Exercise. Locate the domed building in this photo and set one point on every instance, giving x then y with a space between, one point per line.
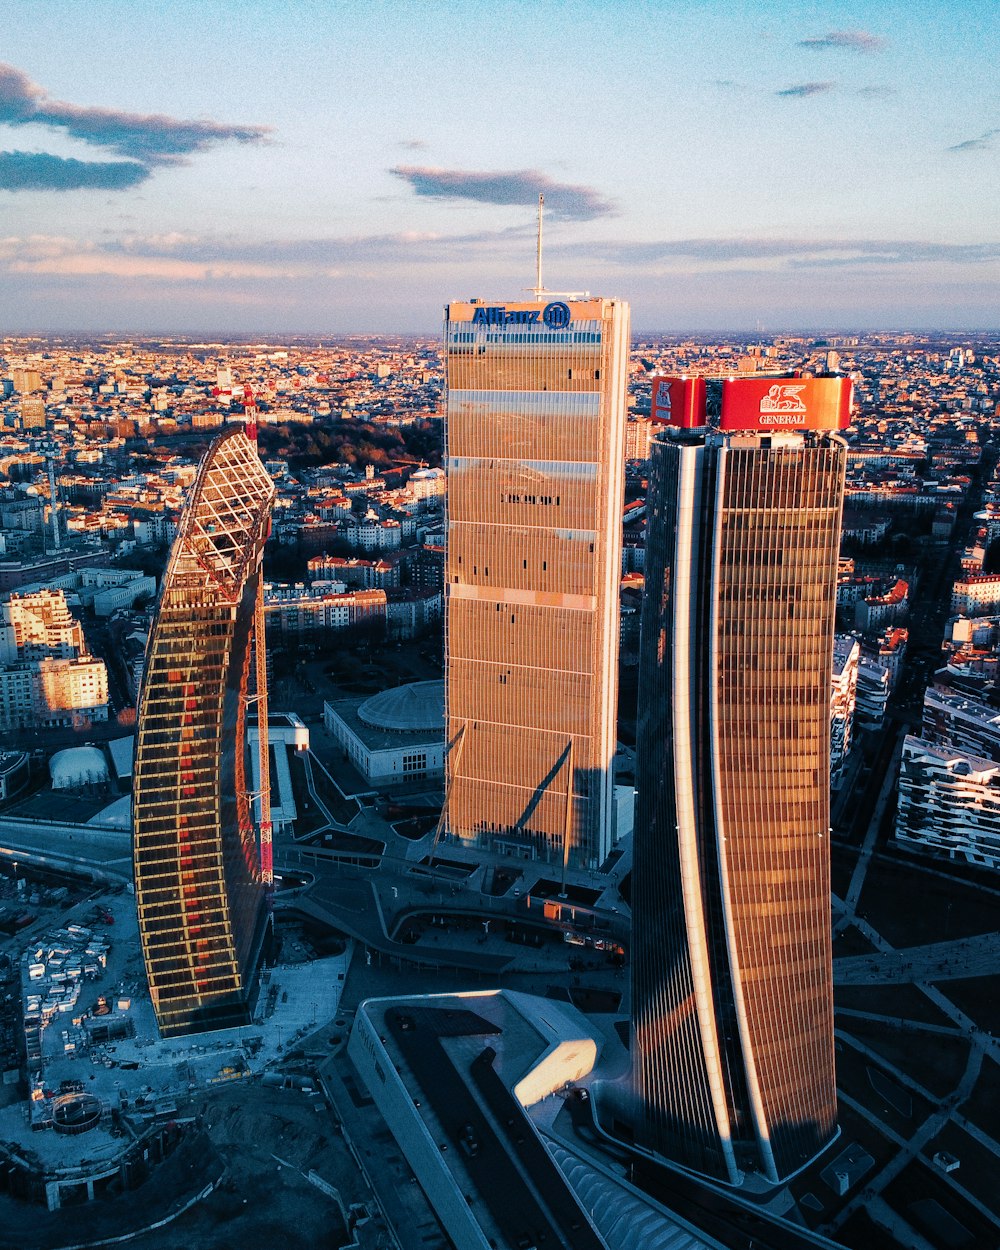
394 736
77 767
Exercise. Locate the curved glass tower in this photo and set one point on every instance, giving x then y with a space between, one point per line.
199 889
731 954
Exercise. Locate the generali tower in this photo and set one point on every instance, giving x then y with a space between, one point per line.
535 458
732 997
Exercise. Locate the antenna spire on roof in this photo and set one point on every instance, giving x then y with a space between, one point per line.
538 259
538 290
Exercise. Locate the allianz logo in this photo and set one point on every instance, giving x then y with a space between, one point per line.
555 316
501 316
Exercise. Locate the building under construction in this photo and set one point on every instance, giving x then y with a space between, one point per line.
202 875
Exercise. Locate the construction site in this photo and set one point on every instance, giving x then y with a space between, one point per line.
121 1128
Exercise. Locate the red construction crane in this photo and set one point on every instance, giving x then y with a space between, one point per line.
260 657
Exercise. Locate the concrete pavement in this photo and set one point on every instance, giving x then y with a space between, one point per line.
910 1147
936 961
857 882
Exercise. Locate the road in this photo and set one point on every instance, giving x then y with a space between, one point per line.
911 1147
980 1046
104 852
400 1202
869 814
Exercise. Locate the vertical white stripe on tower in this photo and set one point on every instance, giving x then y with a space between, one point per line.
613 391
684 696
746 1045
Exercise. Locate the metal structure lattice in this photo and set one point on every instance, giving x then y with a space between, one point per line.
200 879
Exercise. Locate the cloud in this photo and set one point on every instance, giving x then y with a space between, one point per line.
201 263
849 40
152 138
777 254
191 257
94 264
875 92
404 247
515 186
195 260
413 145
62 256
900 253
38 171
19 96
983 144
35 247
806 89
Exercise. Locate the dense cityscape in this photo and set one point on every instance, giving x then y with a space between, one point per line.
281 787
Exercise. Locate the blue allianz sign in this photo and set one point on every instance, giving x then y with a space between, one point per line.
555 316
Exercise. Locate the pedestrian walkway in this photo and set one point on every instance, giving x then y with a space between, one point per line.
899 1022
850 901
936 961
910 1148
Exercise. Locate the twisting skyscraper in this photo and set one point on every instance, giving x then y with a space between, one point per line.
198 877
732 982
535 452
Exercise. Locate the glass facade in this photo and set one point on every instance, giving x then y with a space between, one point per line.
202 907
732 980
535 452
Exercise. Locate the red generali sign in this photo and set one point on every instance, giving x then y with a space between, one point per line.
786 404
679 401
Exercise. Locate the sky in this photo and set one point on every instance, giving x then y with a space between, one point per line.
333 167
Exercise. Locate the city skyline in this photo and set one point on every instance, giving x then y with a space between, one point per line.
481 1096
327 169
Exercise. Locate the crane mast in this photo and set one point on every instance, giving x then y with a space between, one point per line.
260 659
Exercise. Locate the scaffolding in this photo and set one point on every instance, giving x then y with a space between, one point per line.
202 877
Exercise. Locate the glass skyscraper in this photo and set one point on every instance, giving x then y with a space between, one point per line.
535 458
201 901
732 965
